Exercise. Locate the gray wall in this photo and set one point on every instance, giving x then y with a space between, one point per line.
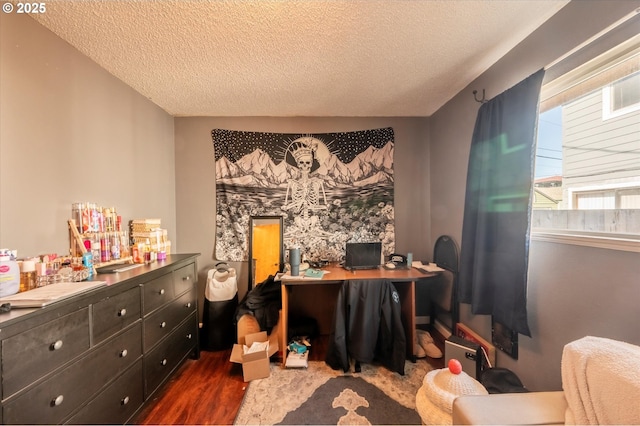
572 291
71 132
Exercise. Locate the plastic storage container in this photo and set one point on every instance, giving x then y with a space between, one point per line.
9 276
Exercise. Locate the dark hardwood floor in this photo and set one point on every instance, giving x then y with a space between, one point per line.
211 389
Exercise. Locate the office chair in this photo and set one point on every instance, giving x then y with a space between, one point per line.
444 293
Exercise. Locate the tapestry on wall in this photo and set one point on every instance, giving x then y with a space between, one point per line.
330 188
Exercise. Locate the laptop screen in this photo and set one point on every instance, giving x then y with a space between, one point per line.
363 255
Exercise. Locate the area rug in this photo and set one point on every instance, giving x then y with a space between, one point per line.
320 395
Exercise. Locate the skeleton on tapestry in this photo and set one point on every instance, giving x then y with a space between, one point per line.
305 195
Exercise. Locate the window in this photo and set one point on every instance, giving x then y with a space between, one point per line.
621 97
587 170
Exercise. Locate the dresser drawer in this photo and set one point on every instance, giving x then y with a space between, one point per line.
115 313
162 322
165 357
30 355
184 278
117 403
54 399
157 292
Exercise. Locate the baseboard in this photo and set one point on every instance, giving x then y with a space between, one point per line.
439 326
442 329
421 320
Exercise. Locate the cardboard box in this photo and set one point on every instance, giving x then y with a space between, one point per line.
255 365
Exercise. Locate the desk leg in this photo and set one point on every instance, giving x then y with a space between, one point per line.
411 337
284 323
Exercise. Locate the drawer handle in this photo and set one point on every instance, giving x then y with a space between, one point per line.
125 400
187 278
122 312
188 305
163 324
57 345
57 401
189 336
163 362
123 353
162 292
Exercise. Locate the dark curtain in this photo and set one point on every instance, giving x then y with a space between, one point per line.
495 233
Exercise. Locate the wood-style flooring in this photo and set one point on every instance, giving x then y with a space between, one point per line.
211 389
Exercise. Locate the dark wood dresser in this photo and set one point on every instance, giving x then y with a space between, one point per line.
96 357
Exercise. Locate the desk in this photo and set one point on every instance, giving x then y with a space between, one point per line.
403 279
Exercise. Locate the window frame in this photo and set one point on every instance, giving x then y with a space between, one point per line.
608 112
561 76
596 240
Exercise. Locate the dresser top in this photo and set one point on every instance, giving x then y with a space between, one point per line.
113 282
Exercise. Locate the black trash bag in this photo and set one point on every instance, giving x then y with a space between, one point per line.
264 302
218 330
501 380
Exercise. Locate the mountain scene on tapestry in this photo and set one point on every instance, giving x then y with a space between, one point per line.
330 189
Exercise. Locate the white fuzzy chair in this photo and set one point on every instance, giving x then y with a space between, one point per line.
600 381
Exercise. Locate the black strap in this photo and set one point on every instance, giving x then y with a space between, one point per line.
222 266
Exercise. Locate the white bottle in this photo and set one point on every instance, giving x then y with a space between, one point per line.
9 276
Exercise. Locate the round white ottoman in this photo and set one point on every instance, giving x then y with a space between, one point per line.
434 399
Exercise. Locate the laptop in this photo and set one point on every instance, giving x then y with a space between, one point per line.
363 255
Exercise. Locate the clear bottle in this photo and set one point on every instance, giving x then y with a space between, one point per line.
87 262
95 248
95 218
135 253
76 214
124 244
98 210
115 246
162 254
114 219
108 225
105 247
86 218
27 275
147 251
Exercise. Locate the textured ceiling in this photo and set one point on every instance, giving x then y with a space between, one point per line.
296 58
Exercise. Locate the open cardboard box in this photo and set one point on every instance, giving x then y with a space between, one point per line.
255 365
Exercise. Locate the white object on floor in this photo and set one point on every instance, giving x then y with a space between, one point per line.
434 400
426 342
296 360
